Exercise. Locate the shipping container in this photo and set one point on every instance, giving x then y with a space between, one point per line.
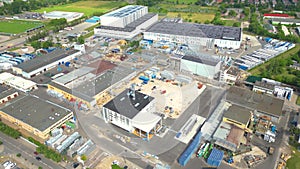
190 150
215 158
144 78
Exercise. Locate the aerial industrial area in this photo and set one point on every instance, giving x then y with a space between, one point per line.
131 88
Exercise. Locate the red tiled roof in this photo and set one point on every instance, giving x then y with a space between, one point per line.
276 15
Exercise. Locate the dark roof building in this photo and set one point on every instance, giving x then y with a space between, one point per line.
238 114
202 60
265 104
197 30
128 105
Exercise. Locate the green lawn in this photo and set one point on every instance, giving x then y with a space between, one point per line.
183 1
298 100
294 162
86 7
115 167
256 70
17 26
200 17
229 22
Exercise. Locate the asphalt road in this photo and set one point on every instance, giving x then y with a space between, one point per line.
12 43
14 146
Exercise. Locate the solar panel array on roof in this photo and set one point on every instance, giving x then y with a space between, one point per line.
125 11
197 30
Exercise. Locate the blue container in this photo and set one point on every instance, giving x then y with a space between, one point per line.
273 128
153 76
67 64
190 150
144 78
178 134
215 158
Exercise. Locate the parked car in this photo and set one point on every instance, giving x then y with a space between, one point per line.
38 158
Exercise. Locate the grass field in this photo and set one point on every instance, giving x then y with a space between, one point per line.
86 7
183 1
17 26
298 100
200 17
294 162
256 70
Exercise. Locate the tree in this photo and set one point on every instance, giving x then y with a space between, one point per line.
80 40
19 155
47 44
83 157
40 167
236 24
232 13
1 142
207 22
36 44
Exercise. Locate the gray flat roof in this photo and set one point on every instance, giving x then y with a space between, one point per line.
197 30
124 11
251 100
200 59
132 26
41 61
286 20
264 85
126 106
4 91
238 113
100 83
73 75
35 111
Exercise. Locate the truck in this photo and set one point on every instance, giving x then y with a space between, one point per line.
271 150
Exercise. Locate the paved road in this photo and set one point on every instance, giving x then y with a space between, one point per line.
14 146
12 43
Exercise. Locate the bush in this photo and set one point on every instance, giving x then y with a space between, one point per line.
9 131
43 149
19 155
1 142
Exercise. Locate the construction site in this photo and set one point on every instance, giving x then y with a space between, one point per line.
174 93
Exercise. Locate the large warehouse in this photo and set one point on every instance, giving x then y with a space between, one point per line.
201 66
45 62
126 22
260 104
133 111
86 85
40 118
195 34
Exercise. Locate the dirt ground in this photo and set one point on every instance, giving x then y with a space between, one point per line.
107 162
4 38
177 97
20 51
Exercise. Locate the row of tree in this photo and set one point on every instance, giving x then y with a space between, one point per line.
9 131
48 153
257 28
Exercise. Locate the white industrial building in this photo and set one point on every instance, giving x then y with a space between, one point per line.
123 16
45 62
126 22
276 21
195 34
201 66
134 112
17 82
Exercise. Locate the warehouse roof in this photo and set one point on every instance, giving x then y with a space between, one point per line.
46 59
286 20
101 66
251 100
36 112
125 105
238 114
73 75
124 11
4 91
264 85
276 15
197 30
130 27
100 83
200 59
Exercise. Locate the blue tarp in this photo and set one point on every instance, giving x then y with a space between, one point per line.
267 39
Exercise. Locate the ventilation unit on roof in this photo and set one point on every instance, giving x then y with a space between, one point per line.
137 104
